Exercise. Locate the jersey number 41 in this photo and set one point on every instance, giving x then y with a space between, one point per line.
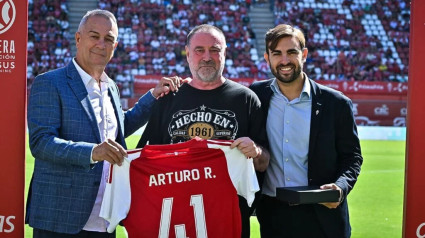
196 201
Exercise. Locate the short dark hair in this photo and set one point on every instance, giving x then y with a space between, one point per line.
280 31
203 28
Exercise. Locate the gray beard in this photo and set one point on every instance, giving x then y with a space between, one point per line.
209 75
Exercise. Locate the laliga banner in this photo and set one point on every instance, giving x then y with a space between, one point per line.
414 193
13 79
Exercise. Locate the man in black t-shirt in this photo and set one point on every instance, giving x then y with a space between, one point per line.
211 107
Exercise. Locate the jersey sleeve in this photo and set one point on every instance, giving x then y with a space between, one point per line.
241 171
117 198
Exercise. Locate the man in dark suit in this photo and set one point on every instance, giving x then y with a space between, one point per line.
313 141
76 129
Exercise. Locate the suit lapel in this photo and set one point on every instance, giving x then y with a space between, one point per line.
267 95
76 84
316 114
114 94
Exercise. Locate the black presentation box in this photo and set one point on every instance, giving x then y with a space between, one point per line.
306 195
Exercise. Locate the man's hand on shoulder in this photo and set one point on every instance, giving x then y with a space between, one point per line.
167 85
110 151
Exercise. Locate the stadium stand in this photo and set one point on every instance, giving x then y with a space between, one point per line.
355 40
357 46
363 40
48 36
152 35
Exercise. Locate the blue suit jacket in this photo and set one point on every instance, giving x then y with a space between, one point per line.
334 154
62 133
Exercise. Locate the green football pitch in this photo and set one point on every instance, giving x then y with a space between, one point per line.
375 203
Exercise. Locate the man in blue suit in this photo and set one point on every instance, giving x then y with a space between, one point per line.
313 141
76 129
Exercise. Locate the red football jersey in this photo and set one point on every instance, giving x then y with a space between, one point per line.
184 190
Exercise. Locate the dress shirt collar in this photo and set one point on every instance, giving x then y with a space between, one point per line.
305 93
86 77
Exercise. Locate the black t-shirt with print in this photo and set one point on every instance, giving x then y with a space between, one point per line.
227 112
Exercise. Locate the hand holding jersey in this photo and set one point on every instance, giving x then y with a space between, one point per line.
170 179
110 151
251 150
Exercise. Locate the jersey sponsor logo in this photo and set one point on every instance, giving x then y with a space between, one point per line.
7 15
203 122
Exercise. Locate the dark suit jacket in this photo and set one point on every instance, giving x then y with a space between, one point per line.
334 149
62 132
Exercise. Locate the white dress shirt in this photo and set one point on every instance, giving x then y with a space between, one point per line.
108 129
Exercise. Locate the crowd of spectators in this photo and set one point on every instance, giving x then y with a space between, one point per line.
341 46
395 17
48 36
152 34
